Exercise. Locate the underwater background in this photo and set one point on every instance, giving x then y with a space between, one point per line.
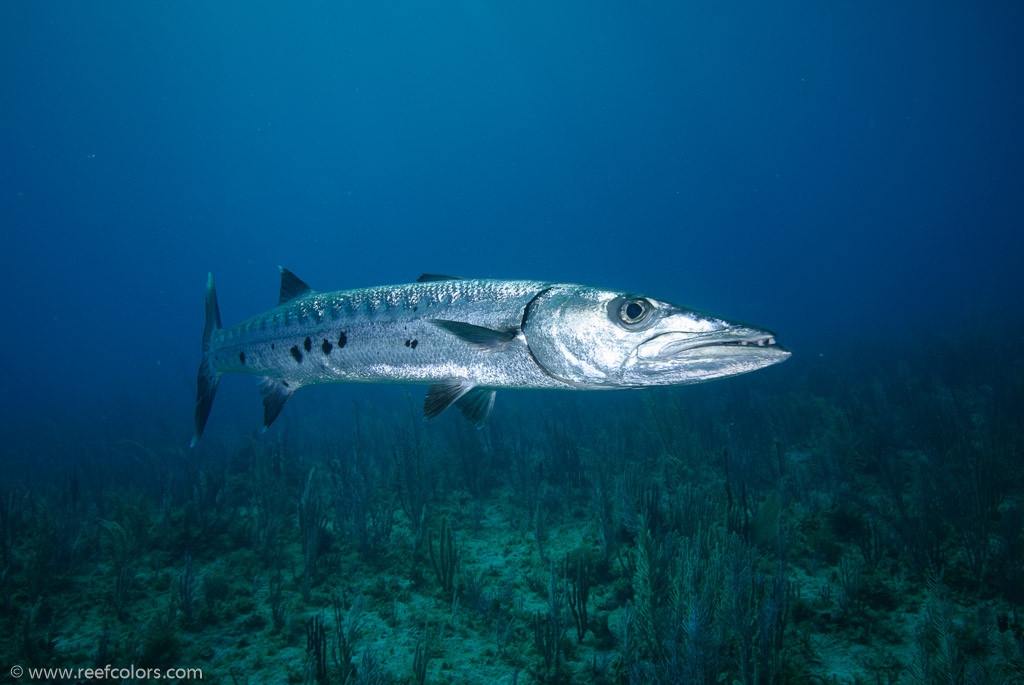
846 174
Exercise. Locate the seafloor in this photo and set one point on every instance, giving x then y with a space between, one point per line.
846 520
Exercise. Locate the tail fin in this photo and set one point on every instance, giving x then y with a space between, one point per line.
206 382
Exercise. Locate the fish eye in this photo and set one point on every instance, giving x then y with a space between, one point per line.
634 311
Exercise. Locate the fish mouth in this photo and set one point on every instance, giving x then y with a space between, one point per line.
677 346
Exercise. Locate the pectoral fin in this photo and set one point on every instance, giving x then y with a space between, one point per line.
479 336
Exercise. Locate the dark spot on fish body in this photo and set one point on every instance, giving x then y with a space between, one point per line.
271 345
295 353
415 307
406 343
342 339
241 358
414 343
327 346
308 344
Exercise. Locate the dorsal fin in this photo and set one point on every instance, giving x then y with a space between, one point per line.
291 286
430 278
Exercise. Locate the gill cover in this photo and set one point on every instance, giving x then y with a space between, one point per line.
573 339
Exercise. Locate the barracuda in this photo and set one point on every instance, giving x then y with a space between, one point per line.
467 338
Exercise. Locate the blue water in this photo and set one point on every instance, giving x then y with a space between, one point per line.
846 174
835 172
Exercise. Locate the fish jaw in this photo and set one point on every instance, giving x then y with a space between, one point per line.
681 357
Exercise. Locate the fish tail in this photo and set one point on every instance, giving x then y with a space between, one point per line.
207 379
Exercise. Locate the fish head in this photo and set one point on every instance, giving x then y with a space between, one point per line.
588 337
